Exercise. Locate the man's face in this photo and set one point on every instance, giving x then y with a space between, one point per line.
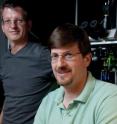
14 25
69 66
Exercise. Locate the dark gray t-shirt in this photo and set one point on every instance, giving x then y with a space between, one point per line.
26 80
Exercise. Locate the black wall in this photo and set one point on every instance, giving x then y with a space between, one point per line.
49 14
91 14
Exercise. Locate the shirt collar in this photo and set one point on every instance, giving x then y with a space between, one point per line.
83 97
90 84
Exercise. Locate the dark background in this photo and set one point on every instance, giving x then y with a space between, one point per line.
47 14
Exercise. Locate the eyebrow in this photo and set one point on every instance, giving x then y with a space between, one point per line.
69 51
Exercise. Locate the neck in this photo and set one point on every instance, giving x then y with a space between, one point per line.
16 46
72 92
70 95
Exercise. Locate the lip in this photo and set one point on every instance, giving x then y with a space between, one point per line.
62 73
13 32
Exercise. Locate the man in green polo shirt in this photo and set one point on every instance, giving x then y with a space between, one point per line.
81 99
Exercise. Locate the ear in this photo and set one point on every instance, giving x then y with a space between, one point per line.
87 59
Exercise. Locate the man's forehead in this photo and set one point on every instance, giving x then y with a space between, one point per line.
13 9
66 48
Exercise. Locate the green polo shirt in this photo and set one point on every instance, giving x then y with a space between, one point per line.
97 104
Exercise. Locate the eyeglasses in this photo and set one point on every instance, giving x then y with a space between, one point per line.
66 56
8 22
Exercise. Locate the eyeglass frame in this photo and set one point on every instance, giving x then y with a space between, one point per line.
67 56
8 22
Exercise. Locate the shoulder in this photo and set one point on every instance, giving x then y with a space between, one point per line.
51 99
37 45
105 87
38 49
104 94
106 102
53 95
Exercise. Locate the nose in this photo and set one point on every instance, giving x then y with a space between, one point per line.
13 24
61 62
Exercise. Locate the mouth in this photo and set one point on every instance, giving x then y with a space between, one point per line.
62 73
14 32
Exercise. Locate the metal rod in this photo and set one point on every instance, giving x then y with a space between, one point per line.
76 12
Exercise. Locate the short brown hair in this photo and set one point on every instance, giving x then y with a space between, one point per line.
68 33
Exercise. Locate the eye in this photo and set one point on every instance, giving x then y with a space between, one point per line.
68 55
6 21
16 21
19 21
54 56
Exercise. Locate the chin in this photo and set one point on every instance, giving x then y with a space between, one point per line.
63 83
15 37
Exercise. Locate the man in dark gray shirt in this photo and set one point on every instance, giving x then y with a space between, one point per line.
25 68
